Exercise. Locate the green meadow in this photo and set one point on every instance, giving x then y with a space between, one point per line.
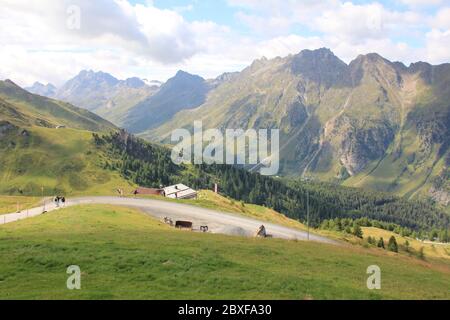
124 254
60 161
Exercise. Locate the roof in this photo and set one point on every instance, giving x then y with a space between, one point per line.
148 191
179 191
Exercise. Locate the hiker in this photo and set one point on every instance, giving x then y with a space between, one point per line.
261 233
63 200
57 201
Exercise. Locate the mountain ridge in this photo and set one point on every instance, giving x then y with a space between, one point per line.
359 124
184 91
367 123
19 105
104 94
47 90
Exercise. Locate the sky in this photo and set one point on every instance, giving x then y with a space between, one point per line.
53 40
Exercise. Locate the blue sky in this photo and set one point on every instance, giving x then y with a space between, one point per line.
154 38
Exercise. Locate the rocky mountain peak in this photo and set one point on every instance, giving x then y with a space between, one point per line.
41 89
225 77
183 79
186 76
134 83
370 59
10 83
320 66
89 76
376 67
424 69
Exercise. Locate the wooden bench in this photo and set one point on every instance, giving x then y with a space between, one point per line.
183 225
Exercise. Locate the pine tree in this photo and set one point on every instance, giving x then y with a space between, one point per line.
422 253
392 245
381 243
407 245
357 231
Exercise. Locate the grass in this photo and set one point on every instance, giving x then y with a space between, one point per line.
431 250
124 254
9 204
34 155
34 108
61 161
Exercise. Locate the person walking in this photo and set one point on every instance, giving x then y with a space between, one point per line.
63 201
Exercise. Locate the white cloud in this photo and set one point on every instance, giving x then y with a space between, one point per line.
438 46
357 23
283 46
161 35
442 19
272 25
422 2
275 17
181 9
143 40
38 30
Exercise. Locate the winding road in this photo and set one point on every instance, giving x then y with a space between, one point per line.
217 222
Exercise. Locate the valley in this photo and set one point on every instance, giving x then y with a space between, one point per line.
371 124
225 159
49 148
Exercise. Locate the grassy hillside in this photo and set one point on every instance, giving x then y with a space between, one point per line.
70 161
62 161
209 199
150 165
10 204
23 108
430 250
34 154
126 255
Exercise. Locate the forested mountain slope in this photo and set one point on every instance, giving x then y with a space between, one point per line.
372 123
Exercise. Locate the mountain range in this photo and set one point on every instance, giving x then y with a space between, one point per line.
52 147
371 123
101 93
46 90
19 107
49 147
